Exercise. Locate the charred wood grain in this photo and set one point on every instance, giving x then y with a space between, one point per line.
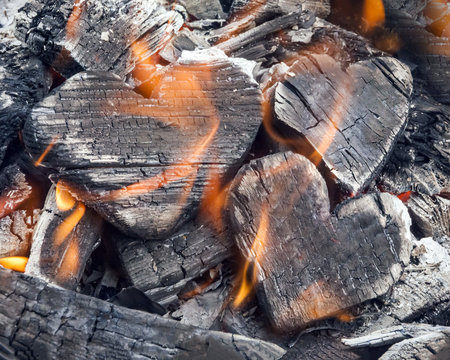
42 321
61 261
335 260
348 119
171 146
209 9
162 268
72 36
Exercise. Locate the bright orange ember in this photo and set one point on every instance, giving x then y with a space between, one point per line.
16 263
373 14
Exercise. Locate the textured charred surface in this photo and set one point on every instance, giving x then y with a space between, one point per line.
62 261
95 35
39 320
313 264
199 124
9 11
431 53
162 268
209 9
23 81
420 160
350 119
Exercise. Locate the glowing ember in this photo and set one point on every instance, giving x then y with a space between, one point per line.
46 151
405 196
248 280
16 263
72 28
373 14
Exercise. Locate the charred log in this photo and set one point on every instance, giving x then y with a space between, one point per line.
335 115
72 36
279 211
40 320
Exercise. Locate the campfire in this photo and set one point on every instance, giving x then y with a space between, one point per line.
243 179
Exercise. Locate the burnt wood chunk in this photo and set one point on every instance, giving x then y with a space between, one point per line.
430 52
420 160
162 268
430 215
50 322
23 81
204 9
61 246
143 164
311 264
348 119
72 36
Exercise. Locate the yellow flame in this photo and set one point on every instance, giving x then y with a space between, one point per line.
69 264
68 224
46 151
64 200
16 263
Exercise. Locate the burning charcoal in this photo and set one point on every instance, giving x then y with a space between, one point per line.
162 268
133 298
430 215
410 341
346 120
420 160
72 35
422 291
65 236
144 164
308 263
23 81
209 9
431 53
51 322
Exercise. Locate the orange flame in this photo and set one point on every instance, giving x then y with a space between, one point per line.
373 14
16 263
437 11
46 151
69 264
248 281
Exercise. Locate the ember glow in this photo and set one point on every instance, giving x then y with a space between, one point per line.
373 15
250 271
16 263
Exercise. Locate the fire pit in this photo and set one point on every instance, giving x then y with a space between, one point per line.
225 179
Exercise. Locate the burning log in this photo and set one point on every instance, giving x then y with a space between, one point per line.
348 120
420 161
47 321
144 164
23 81
76 35
279 211
162 268
64 238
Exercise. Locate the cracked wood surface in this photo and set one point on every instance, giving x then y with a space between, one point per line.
43 321
162 268
201 119
312 264
350 119
72 36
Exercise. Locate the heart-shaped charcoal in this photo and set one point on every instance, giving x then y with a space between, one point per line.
144 163
349 118
310 264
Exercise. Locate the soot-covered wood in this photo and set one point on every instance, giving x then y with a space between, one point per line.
61 260
162 268
42 321
310 263
199 123
350 119
96 35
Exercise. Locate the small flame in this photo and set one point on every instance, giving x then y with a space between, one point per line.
248 281
16 263
373 15
68 224
46 151
69 264
64 200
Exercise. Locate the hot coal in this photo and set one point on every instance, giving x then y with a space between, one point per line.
348 119
311 264
72 36
170 146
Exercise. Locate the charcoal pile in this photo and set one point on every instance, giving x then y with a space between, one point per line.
224 179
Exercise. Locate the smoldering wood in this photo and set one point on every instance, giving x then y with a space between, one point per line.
15 189
23 81
363 245
110 137
420 160
430 215
72 36
44 320
62 262
210 9
162 268
431 53
16 230
183 40
422 290
334 114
